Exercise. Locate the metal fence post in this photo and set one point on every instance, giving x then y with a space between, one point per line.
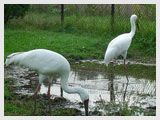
62 14
112 17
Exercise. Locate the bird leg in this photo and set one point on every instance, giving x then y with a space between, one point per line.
49 85
124 95
114 64
35 97
61 92
124 64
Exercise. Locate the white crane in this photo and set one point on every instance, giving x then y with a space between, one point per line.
119 45
47 62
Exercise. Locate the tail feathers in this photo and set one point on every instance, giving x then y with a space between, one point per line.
109 55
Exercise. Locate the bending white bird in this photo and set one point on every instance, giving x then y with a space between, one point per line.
47 62
119 45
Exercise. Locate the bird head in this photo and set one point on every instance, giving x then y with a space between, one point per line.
134 18
9 57
85 99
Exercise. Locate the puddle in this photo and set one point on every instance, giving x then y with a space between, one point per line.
120 61
100 86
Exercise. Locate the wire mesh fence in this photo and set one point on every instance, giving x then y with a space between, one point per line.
99 19
109 16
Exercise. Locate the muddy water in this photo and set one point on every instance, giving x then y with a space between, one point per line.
101 86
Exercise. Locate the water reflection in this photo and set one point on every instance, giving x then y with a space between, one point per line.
111 77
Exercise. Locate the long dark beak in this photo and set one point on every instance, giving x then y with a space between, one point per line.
86 106
137 24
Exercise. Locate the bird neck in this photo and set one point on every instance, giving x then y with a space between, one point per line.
133 28
72 90
64 84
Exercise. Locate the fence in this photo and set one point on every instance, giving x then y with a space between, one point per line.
113 13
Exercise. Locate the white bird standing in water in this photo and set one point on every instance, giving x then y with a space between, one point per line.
47 62
119 45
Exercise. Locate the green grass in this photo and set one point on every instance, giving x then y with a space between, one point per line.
81 37
100 25
12 104
125 110
70 45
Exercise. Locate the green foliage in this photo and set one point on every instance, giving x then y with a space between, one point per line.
86 28
14 11
7 94
123 110
72 46
65 112
12 106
